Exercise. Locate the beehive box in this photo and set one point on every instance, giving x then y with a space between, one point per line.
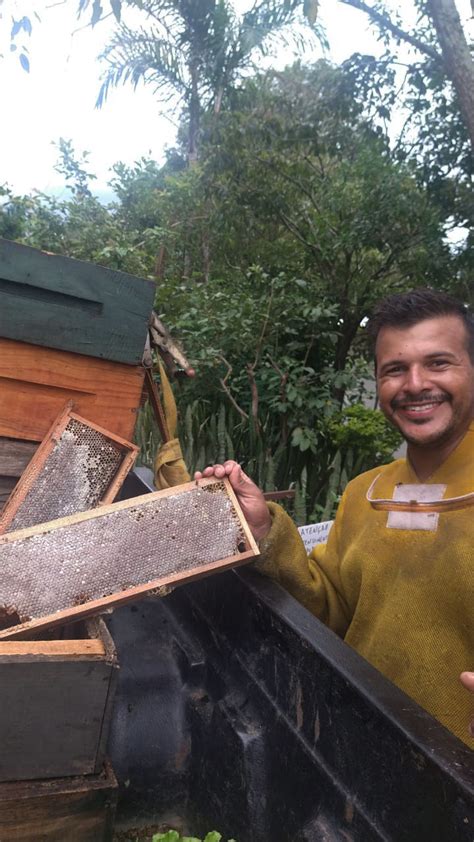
79 809
36 383
56 700
72 305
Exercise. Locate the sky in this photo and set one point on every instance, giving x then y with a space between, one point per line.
57 97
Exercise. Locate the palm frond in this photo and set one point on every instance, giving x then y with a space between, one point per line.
140 56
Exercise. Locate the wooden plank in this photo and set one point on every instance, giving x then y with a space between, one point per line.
36 383
63 303
19 651
76 809
55 701
77 572
7 484
15 455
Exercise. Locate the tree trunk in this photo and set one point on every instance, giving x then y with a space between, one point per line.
456 56
349 331
194 115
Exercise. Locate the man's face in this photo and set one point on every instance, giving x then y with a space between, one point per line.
425 380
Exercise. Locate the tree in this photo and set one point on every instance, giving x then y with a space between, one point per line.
302 170
309 216
193 53
439 37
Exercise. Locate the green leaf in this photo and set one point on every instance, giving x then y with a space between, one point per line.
96 12
116 8
310 8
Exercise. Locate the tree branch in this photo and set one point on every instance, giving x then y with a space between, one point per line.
223 382
385 22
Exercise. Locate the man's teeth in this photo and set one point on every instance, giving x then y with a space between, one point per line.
420 407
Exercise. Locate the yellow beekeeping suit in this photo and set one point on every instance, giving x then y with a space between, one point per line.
402 597
170 469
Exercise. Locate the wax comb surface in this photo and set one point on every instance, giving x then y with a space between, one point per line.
78 466
75 566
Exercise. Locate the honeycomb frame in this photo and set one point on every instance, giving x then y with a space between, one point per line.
91 550
35 498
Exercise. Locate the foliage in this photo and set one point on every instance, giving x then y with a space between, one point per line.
269 254
193 54
367 431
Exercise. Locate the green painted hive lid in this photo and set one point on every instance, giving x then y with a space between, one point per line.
60 302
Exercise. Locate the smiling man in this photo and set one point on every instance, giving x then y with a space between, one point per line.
396 578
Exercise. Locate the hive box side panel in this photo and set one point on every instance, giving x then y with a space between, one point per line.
14 457
72 305
62 810
55 702
51 718
36 383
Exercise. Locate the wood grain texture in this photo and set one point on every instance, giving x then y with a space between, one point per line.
55 703
22 651
63 303
73 809
15 455
36 383
7 484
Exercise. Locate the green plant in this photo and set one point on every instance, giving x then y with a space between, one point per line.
174 836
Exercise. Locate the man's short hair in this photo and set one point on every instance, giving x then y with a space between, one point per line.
408 308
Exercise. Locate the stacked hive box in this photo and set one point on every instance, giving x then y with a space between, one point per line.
69 331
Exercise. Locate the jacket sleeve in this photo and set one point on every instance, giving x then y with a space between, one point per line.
313 580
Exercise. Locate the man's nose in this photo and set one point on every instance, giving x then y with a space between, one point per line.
416 379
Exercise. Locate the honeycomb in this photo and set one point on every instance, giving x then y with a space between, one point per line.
66 565
74 477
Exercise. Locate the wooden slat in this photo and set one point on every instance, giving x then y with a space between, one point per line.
71 305
15 455
64 650
36 383
77 809
7 484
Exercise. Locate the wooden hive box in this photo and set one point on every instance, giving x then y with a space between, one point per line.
60 810
71 305
56 699
36 383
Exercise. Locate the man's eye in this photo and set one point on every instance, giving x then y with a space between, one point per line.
439 363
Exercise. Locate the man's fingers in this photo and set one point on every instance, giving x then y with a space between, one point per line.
248 494
218 471
467 679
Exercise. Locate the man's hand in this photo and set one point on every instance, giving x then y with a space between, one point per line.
467 680
251 499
